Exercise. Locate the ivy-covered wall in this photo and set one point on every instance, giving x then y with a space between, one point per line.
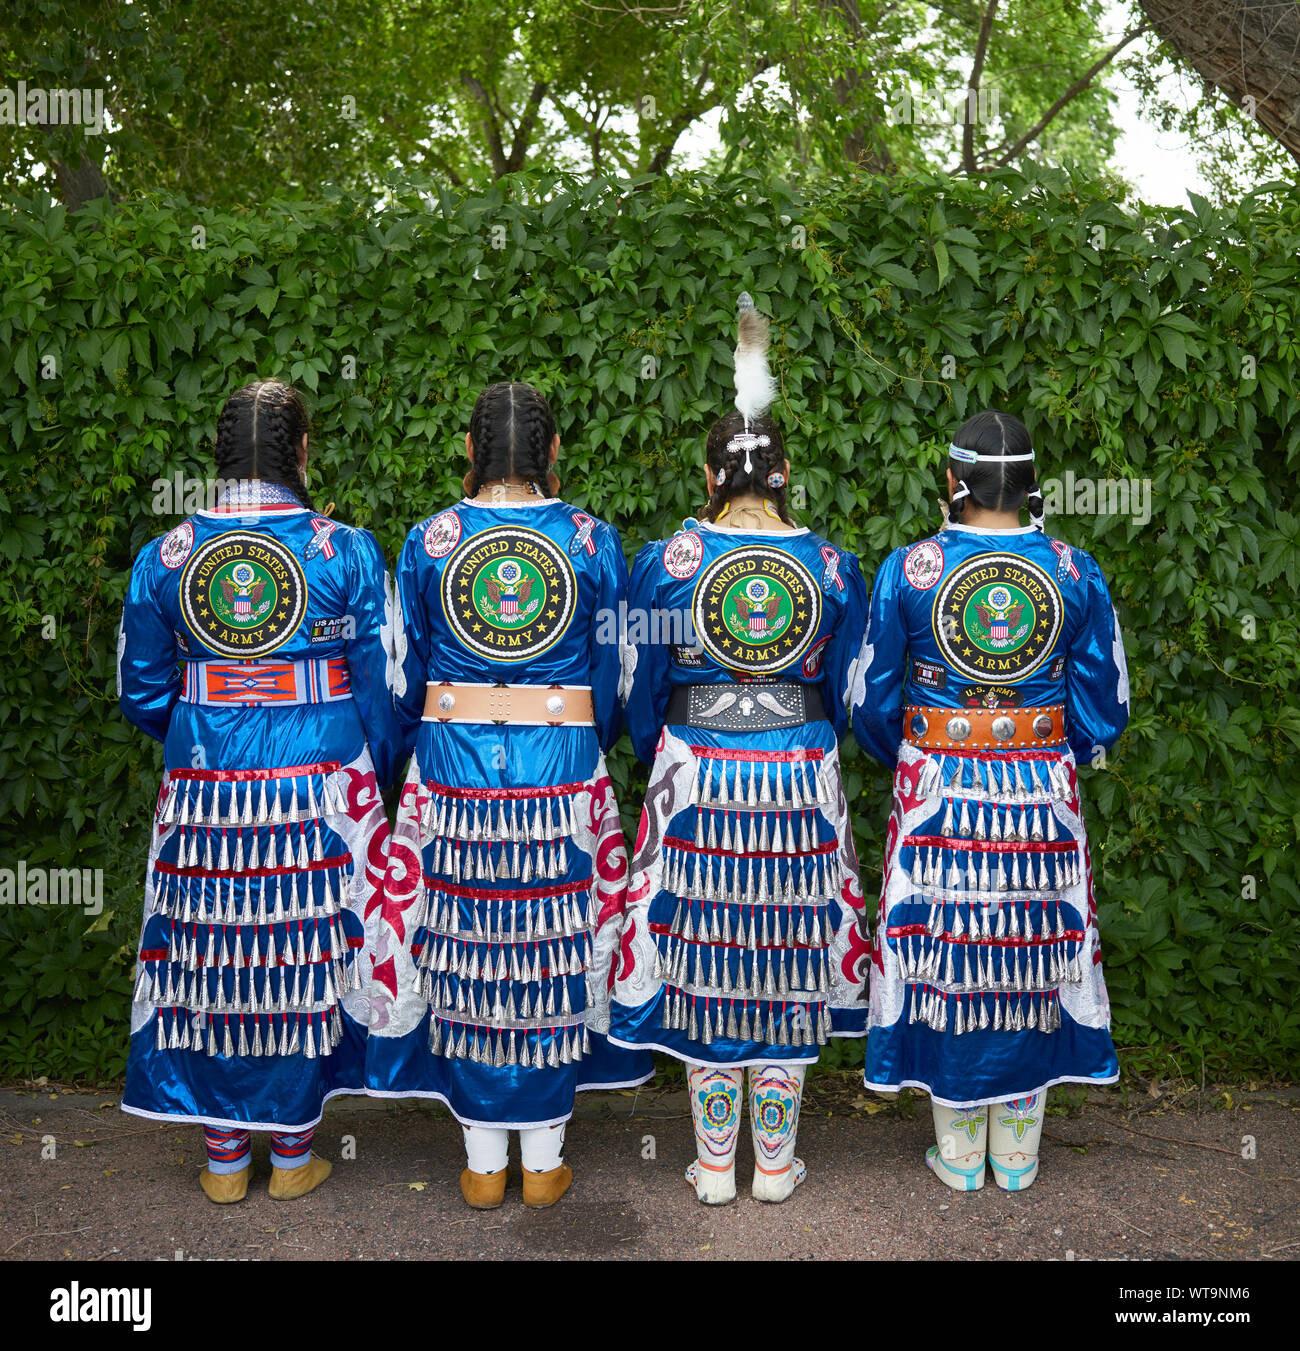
1158 352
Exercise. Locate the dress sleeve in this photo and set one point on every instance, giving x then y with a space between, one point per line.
1096 680
605 637
645 662
370 651
880 673
842 650
412 662
148 674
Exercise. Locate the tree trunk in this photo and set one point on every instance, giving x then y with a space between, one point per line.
1246 48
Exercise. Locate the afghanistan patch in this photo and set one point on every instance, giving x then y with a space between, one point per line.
442 534
923 564
997 617
509 593
690 657
243 595
990 696
683 555
756 609
176 545
929 675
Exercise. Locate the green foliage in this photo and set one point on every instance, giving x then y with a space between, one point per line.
1157 347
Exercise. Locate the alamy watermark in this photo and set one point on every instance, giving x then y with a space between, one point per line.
1071 496
83 887
32 105
919 106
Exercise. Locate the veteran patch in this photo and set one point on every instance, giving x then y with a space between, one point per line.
929 675
997 617
442 534
243 594
923 564
756 609
177 545
509 593
683 554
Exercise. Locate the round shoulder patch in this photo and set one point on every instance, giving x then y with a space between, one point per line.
509 593
683 555
176 545
243 594
997 617
756 609
442 534
923 564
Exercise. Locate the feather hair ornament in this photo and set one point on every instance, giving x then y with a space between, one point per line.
755 387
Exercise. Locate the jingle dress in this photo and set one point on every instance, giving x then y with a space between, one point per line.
744 940
986 979
508 871
255 644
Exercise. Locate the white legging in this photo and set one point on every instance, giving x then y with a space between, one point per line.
487 1150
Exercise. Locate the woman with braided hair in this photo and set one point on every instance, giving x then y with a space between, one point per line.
507 875
745 944
257 644
992 659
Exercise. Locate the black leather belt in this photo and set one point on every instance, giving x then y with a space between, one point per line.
745 707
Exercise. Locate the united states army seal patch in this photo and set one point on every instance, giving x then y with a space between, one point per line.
756 610
509 593
243 594
997 617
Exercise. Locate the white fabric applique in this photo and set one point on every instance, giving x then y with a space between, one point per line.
1121 665
392 634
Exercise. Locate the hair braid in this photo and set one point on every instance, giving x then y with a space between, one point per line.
511 429
259 430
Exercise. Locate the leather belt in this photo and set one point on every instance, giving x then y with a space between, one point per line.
745 707
518 705
320 680
982 729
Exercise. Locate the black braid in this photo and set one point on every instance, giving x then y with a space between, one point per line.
995 485
258 434
763 461
512 428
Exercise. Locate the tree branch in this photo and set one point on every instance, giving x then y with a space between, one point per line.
972 87
1006 153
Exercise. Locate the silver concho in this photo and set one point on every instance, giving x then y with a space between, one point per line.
555 705
1003 729
446 702
958 729
1043 726
919 725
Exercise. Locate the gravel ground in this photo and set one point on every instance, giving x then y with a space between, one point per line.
1160 1182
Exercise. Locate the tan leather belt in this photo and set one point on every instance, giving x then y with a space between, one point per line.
518 705
982 729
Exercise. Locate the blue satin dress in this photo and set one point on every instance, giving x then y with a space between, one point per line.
986 979
745 936
507 874
256 646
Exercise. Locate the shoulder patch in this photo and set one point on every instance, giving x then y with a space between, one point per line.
582 535
442 534
175 546
923 564
1065 566
683 554
812 663
320 542
831 570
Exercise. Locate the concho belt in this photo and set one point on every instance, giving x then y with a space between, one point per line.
983 729
745 707
515 705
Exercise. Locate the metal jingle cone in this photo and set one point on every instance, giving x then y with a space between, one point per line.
946 829
764 791
751 796
995 825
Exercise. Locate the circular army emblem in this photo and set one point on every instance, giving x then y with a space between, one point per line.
756 610
509 593
442 534
923 564
243 595
997 617
176 545
683 555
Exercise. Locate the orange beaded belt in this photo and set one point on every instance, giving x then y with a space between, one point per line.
517 705
982 729
318 681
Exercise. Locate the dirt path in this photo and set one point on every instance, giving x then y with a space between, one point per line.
1114 1184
